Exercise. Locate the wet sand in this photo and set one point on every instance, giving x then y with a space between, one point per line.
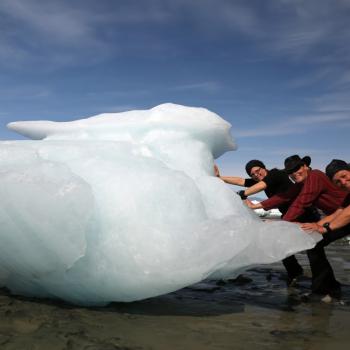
256 311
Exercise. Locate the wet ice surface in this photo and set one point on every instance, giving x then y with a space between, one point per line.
253 312
125 206
263 286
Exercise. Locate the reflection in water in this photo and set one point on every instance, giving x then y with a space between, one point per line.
255 311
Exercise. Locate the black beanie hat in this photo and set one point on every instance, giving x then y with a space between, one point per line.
336 165
252 163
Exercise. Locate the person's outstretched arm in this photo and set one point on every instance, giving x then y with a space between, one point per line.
281 198
239 181
318 226
232 180
337 220
258 187
341 220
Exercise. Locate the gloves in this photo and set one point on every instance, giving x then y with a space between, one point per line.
242 195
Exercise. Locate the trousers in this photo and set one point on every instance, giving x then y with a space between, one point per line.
323 279
290 263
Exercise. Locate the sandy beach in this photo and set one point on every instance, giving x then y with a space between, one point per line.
256 311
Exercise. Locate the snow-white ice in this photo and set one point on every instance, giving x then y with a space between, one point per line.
267 214
125 206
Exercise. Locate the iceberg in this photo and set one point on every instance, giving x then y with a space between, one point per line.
125 206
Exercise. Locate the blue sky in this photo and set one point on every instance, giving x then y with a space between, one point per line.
278 71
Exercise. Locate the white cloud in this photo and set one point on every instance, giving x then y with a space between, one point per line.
318 119
337 101
117 93
315 29
295 125
25 92
306 28
50 19
49 33
64 29
268 130
207 86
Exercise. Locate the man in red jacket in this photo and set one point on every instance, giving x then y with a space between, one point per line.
336 225
311 188
271 181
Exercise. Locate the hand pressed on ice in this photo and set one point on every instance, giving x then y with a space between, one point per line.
216 170
251 205
312 226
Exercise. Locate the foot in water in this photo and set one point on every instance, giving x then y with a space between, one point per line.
321 298
292 281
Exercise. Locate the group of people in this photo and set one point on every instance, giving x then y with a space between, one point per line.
315 200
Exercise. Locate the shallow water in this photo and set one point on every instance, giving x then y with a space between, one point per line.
255 311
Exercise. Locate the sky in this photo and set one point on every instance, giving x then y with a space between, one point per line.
277 70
